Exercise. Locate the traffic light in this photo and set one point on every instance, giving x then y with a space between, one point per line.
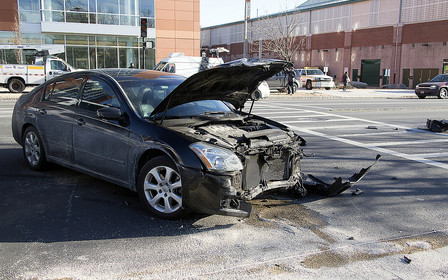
144 27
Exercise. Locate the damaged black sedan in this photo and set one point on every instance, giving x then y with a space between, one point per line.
183 145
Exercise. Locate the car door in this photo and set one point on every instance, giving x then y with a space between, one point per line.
100 146
275 81
57 68
55 116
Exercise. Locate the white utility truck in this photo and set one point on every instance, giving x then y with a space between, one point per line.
186 66
17 76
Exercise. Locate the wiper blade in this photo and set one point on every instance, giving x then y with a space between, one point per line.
219 113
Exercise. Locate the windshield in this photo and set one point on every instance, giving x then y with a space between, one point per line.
146 94
315 72
160 66
197 108
440 78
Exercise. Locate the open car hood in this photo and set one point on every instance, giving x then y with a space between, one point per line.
232 82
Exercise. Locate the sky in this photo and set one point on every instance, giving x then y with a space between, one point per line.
216 12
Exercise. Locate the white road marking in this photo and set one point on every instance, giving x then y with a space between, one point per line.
376 133
374 148
407 143
318 121
432 155
371 146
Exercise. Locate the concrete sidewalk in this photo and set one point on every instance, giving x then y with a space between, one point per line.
349 93
301 93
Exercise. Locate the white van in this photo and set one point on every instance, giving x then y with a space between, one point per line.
186 65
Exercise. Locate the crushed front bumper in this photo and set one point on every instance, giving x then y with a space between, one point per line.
222 194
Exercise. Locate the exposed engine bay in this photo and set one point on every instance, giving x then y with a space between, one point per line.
269 152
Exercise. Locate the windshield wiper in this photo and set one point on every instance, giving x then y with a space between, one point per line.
218 113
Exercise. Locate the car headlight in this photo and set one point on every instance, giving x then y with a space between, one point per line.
216 158
433 87
417 87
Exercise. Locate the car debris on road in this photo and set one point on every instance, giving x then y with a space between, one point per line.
437 126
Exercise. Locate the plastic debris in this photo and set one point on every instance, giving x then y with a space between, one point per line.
357 192
406 259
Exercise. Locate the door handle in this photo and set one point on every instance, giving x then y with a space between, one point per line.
80 122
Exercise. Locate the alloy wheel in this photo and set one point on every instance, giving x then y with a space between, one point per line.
163 189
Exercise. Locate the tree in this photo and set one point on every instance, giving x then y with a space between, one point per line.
283 34
17 39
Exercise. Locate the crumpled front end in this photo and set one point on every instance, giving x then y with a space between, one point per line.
271 160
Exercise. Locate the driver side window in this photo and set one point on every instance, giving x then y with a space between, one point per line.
58 65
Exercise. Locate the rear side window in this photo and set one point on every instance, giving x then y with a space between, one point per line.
98 94
64 91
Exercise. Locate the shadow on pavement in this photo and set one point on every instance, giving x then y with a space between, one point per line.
63 205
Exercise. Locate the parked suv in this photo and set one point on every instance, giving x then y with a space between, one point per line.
280 81
438 86
313 77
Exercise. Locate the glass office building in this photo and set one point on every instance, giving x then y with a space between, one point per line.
95 33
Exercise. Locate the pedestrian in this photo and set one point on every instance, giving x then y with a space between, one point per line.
291 75
345 80
132 65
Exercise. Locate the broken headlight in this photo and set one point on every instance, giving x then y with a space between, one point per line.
216 158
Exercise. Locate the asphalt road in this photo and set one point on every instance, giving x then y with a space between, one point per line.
61 224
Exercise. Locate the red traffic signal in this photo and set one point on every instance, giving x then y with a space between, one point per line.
144 27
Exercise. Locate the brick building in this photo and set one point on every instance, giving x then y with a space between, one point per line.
105 33
367 38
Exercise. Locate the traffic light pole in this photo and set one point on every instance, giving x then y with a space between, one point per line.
144 51
143 34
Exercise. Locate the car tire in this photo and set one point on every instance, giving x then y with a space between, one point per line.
327 88
16 85
309 85
33 149
443 93
421 96
296 87
256 95
159 187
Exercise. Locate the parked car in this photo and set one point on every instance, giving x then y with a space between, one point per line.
182 144
263 91
438 86
312 77
279 81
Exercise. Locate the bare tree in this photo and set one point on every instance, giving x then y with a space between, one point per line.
282 34
17 39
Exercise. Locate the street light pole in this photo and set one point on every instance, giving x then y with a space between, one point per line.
246 17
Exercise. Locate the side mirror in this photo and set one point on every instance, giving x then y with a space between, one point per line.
109 113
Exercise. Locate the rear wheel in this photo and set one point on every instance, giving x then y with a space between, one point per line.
160 188
33 149
308 85
16 85
443 93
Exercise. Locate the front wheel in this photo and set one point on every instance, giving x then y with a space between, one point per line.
33 149
443 93
309 85
159 187
16 85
